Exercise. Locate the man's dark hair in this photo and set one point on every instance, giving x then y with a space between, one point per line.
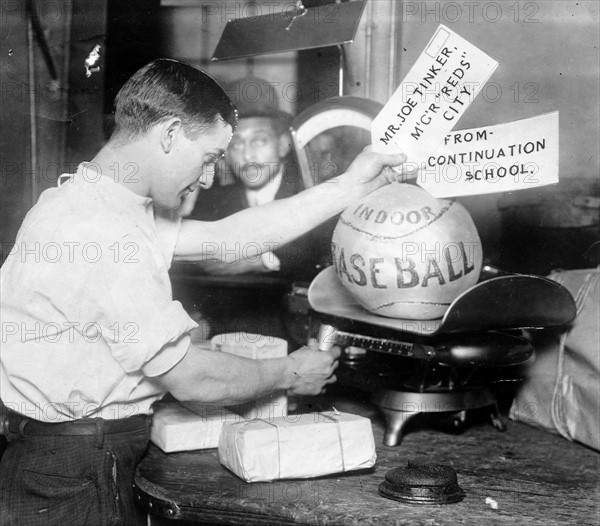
167 88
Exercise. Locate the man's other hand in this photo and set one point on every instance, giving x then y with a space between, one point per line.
312 370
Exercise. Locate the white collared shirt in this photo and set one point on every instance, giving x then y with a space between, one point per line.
86 306
267 193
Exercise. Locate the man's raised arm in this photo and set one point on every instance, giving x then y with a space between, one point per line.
256 230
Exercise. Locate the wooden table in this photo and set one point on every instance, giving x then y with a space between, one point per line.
535 478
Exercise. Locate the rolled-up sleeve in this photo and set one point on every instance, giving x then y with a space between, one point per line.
167 357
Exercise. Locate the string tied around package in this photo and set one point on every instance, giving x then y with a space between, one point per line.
324 415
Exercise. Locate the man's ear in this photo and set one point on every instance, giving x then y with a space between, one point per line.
169 131
285 145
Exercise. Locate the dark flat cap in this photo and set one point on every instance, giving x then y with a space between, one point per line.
256 97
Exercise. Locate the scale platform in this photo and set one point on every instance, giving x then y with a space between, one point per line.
434 366
497 302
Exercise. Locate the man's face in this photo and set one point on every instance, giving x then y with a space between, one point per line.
191 165
256 151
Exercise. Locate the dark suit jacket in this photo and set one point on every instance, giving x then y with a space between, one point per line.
301 259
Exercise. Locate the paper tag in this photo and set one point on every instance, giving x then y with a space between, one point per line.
502 158
438 89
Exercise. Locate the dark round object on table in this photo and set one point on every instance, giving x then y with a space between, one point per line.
422 484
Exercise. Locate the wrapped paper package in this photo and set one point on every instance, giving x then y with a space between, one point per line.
297 446
255 347
195 426
561 388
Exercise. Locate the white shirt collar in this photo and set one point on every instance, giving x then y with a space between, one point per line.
267 193
88 173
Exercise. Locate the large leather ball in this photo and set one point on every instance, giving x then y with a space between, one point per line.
405 254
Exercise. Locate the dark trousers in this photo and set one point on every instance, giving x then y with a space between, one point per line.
71 480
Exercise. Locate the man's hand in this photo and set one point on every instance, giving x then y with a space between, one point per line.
219 377
312 370
370 170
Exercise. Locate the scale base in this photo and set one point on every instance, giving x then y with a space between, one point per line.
399 407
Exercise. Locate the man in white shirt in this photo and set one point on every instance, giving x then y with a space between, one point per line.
90 334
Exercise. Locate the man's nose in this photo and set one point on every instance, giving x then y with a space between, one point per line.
247 151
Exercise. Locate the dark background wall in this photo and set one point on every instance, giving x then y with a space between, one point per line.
548 60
